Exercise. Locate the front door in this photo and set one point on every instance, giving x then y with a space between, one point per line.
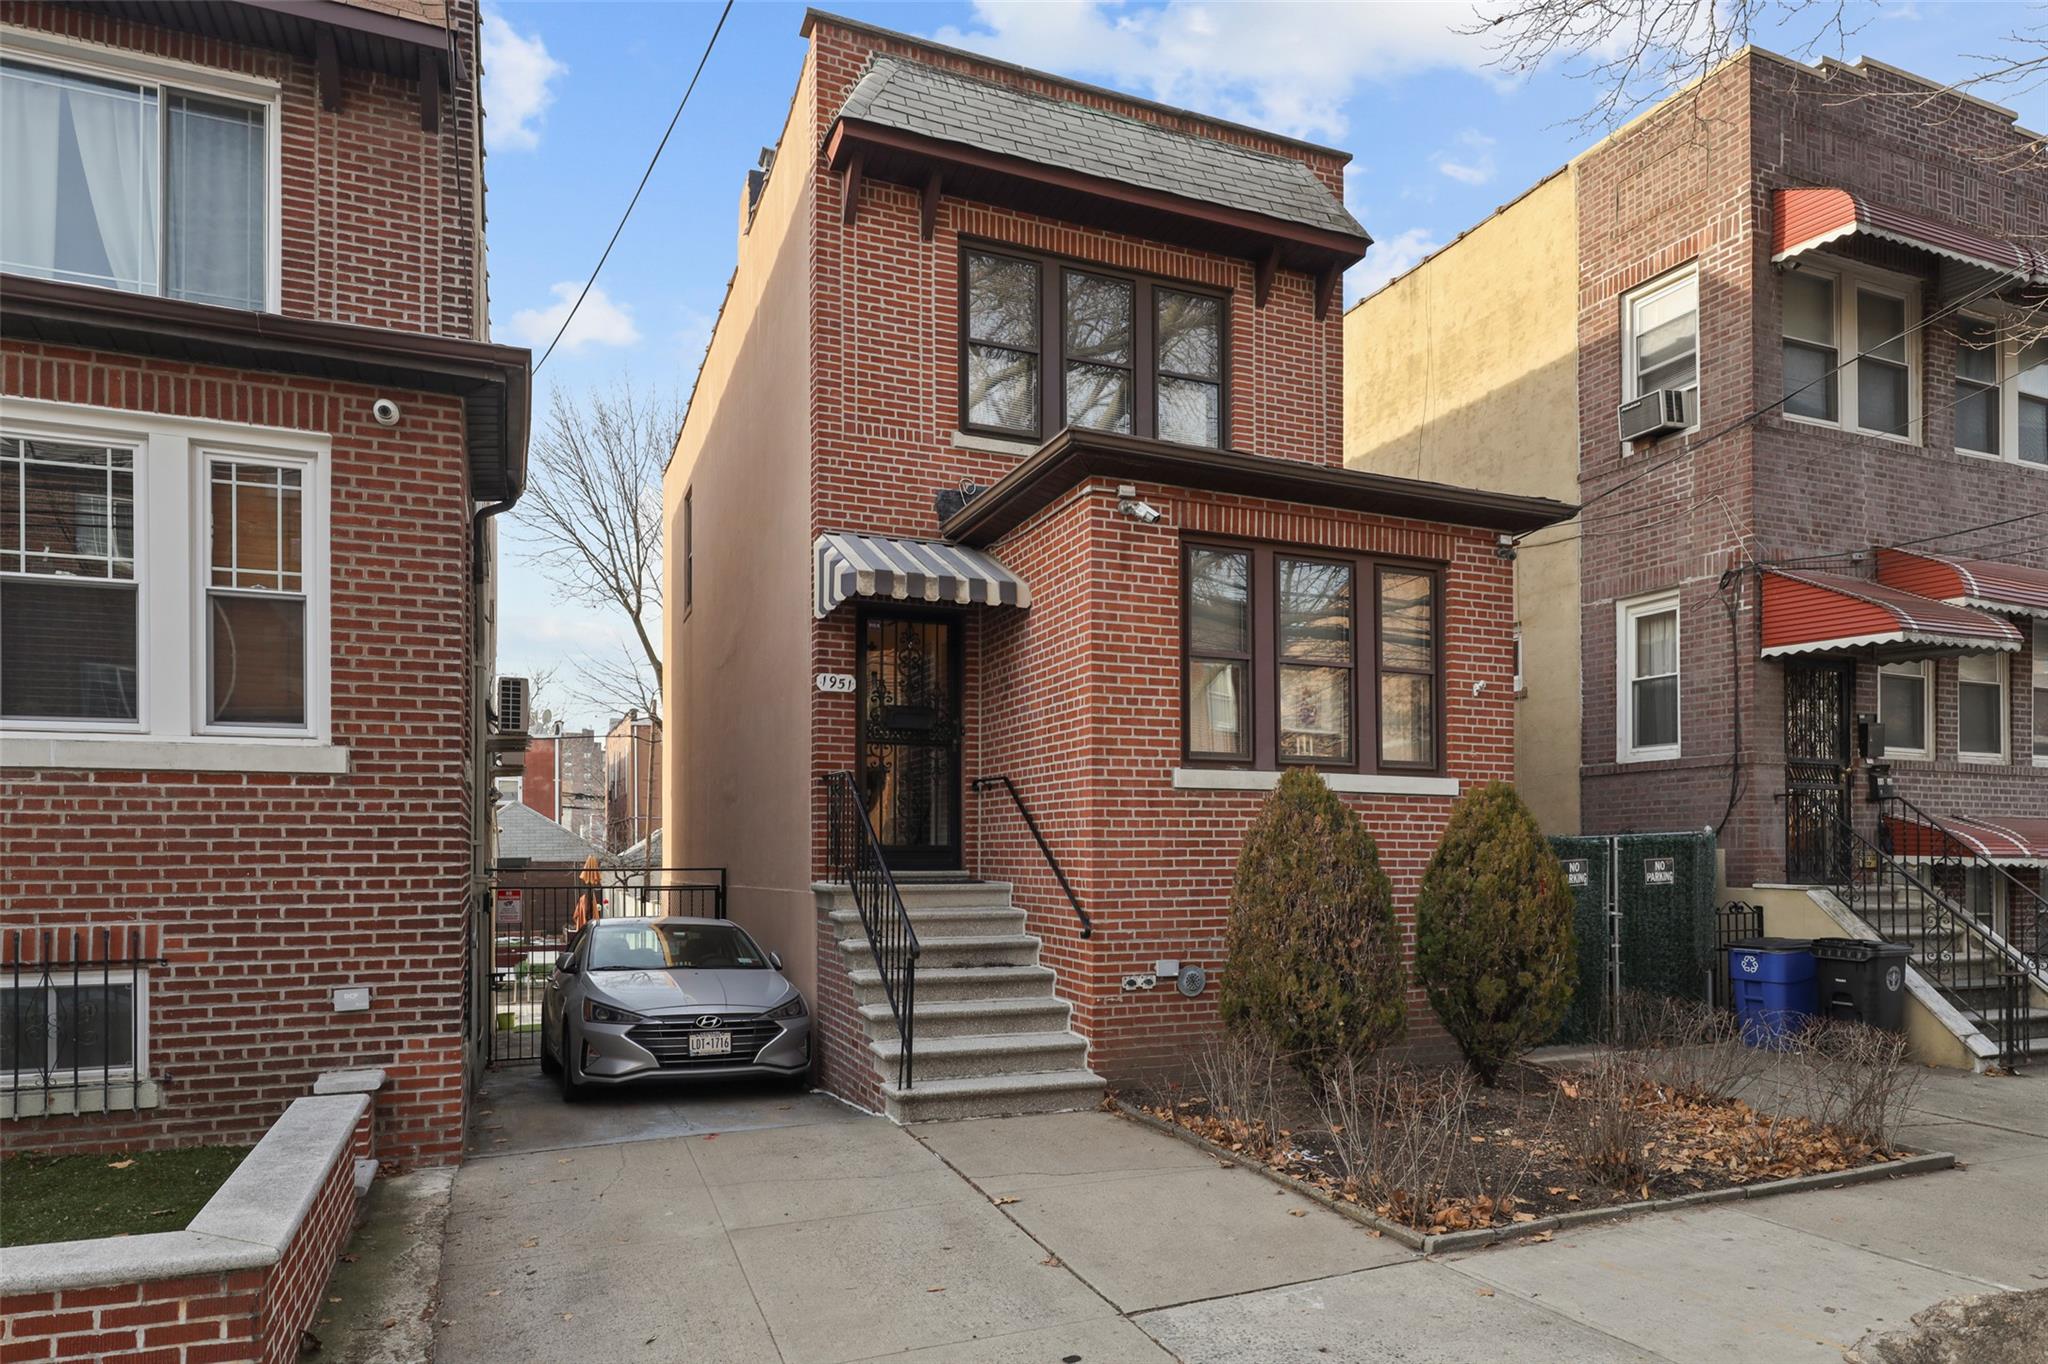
1817 700
909 740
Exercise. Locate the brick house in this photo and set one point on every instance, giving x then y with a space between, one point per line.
1831 272
632 781
1016 455
251 439
562 776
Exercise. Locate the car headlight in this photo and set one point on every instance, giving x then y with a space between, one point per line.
594 1012
793 1007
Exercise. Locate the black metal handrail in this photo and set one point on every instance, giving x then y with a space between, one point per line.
1974 968
981 784
1955 852
853 855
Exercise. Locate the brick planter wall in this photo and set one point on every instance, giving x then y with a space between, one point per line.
238 1287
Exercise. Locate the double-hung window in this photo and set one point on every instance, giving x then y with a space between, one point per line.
1978 396
1823 310
1046 345
137 175
1905 707
2040 671
1309 658
161 578
1980 708
2001 394
1661 339
1648 634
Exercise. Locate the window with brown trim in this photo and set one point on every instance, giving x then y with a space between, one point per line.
1285 666
1046 343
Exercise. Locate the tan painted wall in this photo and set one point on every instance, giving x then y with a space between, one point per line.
736 664
1465 371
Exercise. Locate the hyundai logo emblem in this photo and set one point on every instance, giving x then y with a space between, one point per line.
708 1020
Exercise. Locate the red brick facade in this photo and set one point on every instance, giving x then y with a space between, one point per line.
1692 184
271 888
1079 698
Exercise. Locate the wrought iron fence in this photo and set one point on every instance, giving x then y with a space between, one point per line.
853 856
1733 921
74 1019
535 913
1911 834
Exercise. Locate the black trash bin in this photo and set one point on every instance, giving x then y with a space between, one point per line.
1859 981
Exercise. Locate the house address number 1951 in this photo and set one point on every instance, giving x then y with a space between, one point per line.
835 682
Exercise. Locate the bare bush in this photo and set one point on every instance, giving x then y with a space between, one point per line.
1691 1048
1243 1076
1855 1079
1612 1130
1406 1139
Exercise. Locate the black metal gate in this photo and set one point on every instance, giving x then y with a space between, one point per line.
910 730
1817 702
535 913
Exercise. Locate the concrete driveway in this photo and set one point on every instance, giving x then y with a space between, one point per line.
761 1225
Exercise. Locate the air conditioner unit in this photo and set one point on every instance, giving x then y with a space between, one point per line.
514 696
1659 411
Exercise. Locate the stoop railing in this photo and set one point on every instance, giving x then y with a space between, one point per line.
984 784
1948 858
853 856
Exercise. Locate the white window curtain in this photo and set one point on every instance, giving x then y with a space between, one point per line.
217 208
91 148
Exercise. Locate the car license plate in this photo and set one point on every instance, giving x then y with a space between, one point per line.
710 1044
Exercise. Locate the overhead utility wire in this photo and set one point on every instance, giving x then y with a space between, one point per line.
1694 447
644 175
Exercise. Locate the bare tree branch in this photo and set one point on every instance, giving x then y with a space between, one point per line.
592 518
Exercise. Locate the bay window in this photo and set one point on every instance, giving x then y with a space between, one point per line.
121 176
1980 708
1823 308
1285 666
1046 344
161 579
1905 707
1648 637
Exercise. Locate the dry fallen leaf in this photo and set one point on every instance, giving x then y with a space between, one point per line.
1051 1262
1486 1292
120 1164
936 1289
388 1322
494 1292
530 1242
1002 1201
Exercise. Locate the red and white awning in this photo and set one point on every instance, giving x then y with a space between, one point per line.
1984 583
2018 841
1824 613
1811 217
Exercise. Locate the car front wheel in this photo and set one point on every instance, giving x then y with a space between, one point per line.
550 1064
572 1083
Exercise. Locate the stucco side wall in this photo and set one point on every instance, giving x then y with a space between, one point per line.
737 675
1465 371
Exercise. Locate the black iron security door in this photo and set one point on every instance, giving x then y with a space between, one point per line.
1817 700
909 743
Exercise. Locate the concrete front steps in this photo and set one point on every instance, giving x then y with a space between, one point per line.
991 1038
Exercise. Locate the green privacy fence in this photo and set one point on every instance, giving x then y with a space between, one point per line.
1645 921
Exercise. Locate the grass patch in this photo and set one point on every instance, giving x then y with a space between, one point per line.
76 1198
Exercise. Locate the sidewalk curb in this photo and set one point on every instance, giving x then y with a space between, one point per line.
1439 1243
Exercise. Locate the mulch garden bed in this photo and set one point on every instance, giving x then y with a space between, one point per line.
1523 1162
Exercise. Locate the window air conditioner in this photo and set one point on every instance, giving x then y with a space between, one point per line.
514 694
1659 411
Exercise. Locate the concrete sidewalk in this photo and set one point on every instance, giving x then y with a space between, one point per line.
783 1228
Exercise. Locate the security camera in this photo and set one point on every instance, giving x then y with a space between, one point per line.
1131 505
385 412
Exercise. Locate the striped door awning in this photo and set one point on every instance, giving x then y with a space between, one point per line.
848 565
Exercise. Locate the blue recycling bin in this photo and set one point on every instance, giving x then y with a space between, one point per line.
1773 983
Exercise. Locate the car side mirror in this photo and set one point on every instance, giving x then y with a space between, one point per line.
775 960
566 966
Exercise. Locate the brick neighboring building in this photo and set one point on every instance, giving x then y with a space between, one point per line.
632 781
1836 265
1010 368
563 777
256 436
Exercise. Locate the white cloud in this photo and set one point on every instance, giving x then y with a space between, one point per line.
1476 167
1388 257
518 76
598 322
1286 66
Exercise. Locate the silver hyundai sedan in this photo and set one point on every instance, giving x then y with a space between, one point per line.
645 999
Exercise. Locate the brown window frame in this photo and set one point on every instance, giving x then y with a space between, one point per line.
1262 673
1435 673
1052 342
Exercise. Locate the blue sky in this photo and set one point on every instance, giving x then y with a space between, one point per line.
577 95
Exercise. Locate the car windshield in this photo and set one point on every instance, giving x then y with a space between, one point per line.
651 945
